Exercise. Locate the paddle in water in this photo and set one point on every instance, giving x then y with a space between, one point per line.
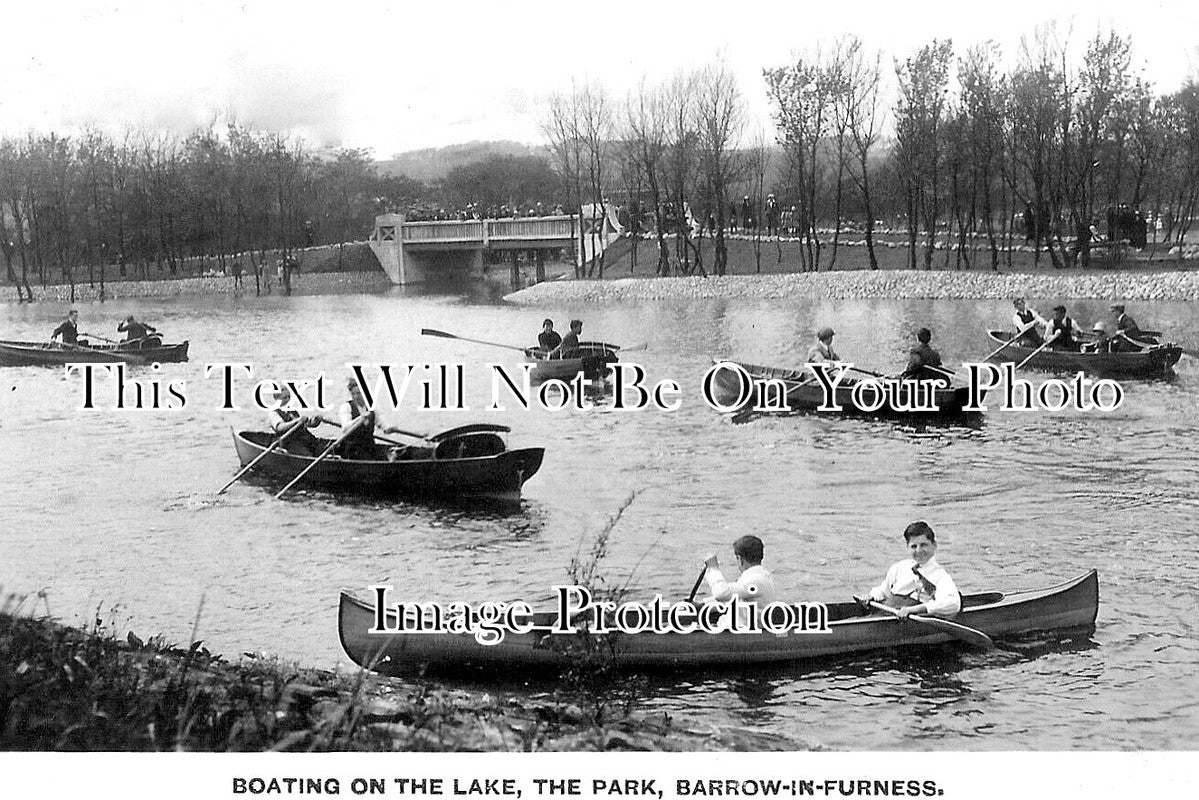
971 636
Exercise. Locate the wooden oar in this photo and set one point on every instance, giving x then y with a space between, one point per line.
971 636
702 572
98 336
444 335
1044 344
119 355
1011 341
353 427
262 455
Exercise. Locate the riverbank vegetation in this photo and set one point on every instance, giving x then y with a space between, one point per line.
62 688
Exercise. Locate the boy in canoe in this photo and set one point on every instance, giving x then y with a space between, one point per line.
755 583
919 585
548 339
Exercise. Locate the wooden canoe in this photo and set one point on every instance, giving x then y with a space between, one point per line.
1073 604
592 361
1157 360
470 461
807 396
45 354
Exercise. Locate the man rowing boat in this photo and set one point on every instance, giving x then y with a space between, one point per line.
919 585
134 330
69 330
548 339
1026 319
823 350
923 360
569 346
1128 336
359 444
283 419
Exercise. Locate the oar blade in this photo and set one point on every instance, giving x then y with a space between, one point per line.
437 333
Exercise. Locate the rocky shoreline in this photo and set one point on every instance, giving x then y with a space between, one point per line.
858 284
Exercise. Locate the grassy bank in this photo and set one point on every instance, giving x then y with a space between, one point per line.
67 689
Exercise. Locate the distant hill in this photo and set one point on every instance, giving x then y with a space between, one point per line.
432 164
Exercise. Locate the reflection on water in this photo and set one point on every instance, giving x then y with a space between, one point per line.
119 507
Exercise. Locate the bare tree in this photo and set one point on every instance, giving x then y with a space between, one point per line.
720 123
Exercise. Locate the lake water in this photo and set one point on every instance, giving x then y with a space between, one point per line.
114 510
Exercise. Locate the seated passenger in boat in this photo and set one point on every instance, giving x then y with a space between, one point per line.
1026 319
755 583
1128 336
823 350
69 330
923 360
569 347
301 442
919 585
134 330
1102 342
548 339
1061 330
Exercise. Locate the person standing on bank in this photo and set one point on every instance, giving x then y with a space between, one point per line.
919 585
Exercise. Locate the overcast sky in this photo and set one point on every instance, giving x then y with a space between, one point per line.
402 75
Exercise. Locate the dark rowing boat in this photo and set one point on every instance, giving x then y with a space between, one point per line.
1156 360
804 396
45 354
471 461
1070 605
592 361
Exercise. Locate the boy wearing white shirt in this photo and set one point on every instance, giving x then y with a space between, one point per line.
755 583
919 585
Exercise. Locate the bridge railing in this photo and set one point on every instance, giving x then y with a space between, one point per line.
470 230
524 228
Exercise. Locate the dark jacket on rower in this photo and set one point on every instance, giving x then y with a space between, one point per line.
547 341
921 356
361 443
300 442
1030 336
135 330
68 331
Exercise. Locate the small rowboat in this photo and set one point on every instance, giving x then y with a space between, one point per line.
471 461
593 360
1158 359
45 354
1070 605
804 396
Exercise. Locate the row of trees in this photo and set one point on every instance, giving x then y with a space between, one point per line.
955 147
74 209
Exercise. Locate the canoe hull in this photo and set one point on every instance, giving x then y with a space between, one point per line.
808 397
499 476
41 354
1073 604
1156 361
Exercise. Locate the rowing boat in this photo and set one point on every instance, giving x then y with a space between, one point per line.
1073 604
592 361
470 461
53 354
1157 359
803 393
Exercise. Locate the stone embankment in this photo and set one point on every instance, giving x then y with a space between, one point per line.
302 284
899 285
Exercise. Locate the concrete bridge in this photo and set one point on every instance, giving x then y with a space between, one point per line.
412 252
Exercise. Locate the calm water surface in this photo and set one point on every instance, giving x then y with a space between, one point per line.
115 510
